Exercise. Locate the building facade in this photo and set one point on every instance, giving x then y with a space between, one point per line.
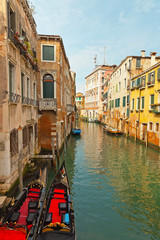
56 91
144 121
119 90
18 89
94 92
80 105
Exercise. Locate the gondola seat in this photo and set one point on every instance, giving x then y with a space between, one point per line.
14 217
48 218
32 205
30 218
62 207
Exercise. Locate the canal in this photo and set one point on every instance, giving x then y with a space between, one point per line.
115 186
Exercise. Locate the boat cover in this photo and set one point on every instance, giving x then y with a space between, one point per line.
56 235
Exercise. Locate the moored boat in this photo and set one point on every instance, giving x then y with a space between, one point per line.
112 131
58 218
76 131
21 220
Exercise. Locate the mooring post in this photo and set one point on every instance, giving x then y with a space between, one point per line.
65 145
146 138
20 171
53 153
57 146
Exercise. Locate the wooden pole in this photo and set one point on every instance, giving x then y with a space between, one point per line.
146 138
53 153
57 146
65 145
20 172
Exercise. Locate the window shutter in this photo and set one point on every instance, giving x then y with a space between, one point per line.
138 81
153 77
149 77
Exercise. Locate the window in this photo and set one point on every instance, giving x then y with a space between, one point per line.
124 101
137 124
151 78
133 104
34 91
127 112
125 83
150 126
157 127
22 87
119 86
25 133
48 86
133 84
11 78
143 81
48 53
142 102
102 79
125 66
28 88
127 99
138 63
14 142
138 82
151 101
138 103
11 21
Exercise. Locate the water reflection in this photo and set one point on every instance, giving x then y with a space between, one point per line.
115 186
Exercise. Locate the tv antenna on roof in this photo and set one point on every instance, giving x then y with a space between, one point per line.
104 55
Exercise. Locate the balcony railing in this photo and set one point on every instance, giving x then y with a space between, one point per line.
14 98
29 101
48 104
69 108
156 108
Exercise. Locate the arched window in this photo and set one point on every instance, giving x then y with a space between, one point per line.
48 86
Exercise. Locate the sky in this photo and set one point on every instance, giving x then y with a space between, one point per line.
123 27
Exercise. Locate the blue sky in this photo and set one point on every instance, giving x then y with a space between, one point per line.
124 27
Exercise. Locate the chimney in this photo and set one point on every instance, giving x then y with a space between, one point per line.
153 58
143 53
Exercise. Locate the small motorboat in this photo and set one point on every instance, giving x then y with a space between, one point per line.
21 220
111 131
58 219
76 131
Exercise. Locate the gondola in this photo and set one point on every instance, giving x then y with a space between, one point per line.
76 131
58 218
21 220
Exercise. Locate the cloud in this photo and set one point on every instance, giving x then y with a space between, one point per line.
144 5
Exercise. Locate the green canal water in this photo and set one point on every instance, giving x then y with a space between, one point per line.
115 186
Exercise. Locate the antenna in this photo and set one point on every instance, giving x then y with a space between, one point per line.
95 59
104 55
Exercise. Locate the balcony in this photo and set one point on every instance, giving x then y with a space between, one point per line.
48 104
69 108
156 108
14 98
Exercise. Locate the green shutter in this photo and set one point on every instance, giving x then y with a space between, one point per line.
153 77
124 101
48 53
138 81
127 112
152 99
142 102
116 87
127 99
138 103
149 77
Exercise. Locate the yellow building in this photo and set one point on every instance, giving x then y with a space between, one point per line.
145 106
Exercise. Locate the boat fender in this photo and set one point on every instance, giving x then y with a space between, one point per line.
66 218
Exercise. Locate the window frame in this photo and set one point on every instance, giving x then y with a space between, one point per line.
50 45
142 106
